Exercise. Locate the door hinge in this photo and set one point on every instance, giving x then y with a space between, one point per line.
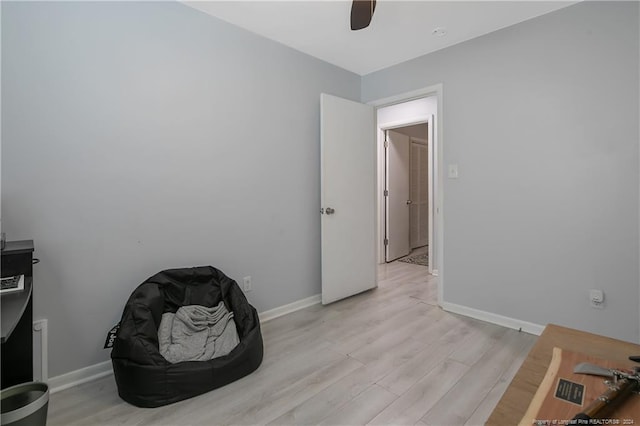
386 193
386 242
386 144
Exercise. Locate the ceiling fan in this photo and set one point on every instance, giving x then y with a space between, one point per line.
361 13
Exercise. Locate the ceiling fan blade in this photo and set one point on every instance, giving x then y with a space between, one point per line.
361 13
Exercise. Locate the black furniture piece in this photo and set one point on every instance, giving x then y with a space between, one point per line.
144 378
17 315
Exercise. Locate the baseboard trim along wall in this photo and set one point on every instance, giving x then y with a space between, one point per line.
97 371
516 324
291 307
78 377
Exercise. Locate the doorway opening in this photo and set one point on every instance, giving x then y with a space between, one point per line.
406 193
402 114
352 230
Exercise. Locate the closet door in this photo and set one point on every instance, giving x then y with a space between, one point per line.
398 198
419 195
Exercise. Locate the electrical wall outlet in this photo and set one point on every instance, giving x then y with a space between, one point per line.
453 171
597 299
246 283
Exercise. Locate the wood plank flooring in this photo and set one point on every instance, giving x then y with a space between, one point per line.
387 356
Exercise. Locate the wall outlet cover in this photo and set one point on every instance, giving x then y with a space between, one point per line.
596 297
246 283
453 171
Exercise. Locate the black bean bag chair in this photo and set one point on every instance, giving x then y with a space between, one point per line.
144 378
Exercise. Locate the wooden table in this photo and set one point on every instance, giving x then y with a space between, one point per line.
516 399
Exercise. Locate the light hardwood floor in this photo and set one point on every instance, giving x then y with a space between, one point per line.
389 356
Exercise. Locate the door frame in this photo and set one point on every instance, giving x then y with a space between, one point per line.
436 249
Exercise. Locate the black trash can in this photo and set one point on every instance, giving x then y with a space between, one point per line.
25 404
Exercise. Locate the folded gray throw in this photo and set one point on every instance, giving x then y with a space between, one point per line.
197 333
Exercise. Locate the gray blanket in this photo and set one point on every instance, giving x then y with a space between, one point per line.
197 333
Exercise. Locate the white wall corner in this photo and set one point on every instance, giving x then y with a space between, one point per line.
516 324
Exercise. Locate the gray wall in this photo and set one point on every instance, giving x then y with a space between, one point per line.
129 146
542 119
143 136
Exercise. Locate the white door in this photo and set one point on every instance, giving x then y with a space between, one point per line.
419 193
398 201
348 158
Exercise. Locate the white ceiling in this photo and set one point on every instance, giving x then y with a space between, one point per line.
399 31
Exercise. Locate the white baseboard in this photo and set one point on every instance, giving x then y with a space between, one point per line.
78 377
103 369
291 307
516 324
